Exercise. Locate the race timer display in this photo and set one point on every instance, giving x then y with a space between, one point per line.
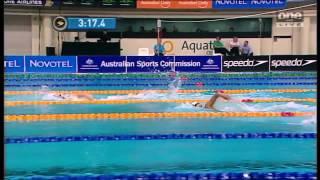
83 23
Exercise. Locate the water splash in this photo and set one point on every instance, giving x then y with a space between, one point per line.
290 106
310 121
234 105
237 105
44 89
142 95
174 85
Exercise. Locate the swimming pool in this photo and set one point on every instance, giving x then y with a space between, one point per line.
127 142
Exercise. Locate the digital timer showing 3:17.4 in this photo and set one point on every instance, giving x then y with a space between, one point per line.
90 23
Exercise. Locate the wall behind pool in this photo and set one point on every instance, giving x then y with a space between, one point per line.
30 34
196 46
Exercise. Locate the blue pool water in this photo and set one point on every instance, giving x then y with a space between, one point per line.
172 155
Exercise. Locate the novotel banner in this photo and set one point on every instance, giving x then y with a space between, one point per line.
14 64
51 64
249 4
150 63
102 64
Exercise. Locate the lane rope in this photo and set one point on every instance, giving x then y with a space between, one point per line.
164 84
54 139
252 74
184 176
131 101
159 79
100 116
230 91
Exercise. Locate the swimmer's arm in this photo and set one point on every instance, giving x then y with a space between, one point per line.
214 98
88 97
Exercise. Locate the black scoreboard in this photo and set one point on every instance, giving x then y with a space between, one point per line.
97 3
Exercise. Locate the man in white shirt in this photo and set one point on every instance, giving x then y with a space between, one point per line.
234 47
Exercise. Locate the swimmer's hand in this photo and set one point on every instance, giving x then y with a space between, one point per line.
223 96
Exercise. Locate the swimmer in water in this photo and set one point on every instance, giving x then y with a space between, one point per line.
65 96
211 102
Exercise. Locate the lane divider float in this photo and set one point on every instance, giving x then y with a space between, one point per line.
26 103
100 116
153 75
159 79
233 91
199 84
200 176
186 176
53 139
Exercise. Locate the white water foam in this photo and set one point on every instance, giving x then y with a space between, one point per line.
290 106
236 105
142 95
184 106
310 121
173 87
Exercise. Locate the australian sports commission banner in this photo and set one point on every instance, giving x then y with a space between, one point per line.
133 64
101 64
128 64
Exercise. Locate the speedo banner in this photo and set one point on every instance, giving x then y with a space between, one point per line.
14 64
293 63
198 63
245 64
51 64
102 64
150 63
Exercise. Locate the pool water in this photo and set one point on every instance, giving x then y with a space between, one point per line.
170 155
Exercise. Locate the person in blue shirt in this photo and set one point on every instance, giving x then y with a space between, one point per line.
159 49
246 50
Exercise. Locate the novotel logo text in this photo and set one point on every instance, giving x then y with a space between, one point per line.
11 64
53 64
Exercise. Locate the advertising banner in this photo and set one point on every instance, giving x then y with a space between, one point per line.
245 64
198 63
293 63
25 2
14 64
186 47
51 64
150 63
101 64
97 3
119 3
249 4
176 4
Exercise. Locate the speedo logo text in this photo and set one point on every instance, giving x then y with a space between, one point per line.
247 63
291 63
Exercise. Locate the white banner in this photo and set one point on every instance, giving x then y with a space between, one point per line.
190 47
